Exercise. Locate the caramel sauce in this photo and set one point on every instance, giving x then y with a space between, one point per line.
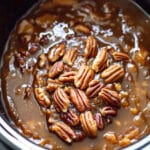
126 28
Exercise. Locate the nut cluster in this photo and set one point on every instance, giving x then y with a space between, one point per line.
71 90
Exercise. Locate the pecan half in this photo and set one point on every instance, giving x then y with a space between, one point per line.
120 56
25 27
80 135
80 100
63 131
108 110
44 20
42 60
56 69
56 52
70 56
94 88
52 85
82 28
88 124
110 137
42 97
44 40
70 117
100 62
61 100
39 80
99 121
67 76
110 96
91 47
83 77
113 73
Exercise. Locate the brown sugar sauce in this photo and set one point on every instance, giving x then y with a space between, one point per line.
115 27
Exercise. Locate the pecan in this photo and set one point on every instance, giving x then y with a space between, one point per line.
25 27
27 92
20 59
70 117
132 132
110 96
56 69
113 73
33 47
124 142
39 80
67 76
83 77
44 40
45 20
80 135
99 121
42 60
91 47
94 88
63 131
110 137
100 62
25 38
61 100
42 97
52 85
88 124
70 56
56 52
108 110
82 28
118 56
80 100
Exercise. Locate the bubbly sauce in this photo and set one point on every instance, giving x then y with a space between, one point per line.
115 23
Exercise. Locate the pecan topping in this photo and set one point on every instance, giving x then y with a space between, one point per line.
42 60
44 40
70 56
100 62
56 52
67 76
56 69
118 56
63 131
52 85
25 27
83 77
99 121
111 137
94 88
34 47
61 100
80 100
91 47
110 96
108 110
82 28
39 80
80 135
70 117
88 124
113 73
42 97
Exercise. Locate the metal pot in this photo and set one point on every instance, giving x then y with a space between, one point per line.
11 11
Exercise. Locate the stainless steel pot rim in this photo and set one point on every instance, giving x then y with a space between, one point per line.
15 140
